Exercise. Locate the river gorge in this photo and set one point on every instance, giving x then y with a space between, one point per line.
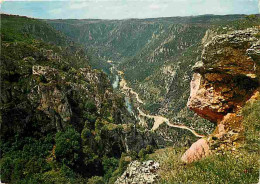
131 96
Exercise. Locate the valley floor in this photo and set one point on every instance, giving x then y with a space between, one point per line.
158 119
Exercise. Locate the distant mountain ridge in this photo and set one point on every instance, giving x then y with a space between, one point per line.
156 54
62 121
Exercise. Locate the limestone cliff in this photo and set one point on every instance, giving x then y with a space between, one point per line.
56 110
224 80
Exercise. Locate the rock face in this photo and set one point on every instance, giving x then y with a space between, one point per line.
197 151
224 80
226 76
56 109
140 173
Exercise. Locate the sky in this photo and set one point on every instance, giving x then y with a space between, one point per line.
123 9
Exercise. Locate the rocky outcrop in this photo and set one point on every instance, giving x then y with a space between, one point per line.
197 151
224 80
254 52
140 173
226 76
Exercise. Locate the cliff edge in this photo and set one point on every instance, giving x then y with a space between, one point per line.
224 80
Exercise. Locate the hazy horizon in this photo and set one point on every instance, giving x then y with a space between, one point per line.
123 18
127 9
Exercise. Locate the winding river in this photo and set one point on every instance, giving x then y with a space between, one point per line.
158 120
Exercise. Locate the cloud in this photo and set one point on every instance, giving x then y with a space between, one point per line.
76 5
154 6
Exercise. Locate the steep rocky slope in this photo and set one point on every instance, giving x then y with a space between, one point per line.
114 39
156 55
225 79
61 121
224 90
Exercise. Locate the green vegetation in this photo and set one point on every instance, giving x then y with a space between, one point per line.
67 146
109 165
156 55
52 129
247 22
96 180
61 122
23 158
143 153
227 168
123 162
18 28
237 166
252 126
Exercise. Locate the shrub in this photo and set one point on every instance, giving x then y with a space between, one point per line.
96 180
6 169
143 153
90 106
23 160
55 177
109 166
123 162
85 134
67 146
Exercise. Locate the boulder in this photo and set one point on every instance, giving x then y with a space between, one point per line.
198 150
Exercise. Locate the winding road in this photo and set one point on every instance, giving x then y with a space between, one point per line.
158 120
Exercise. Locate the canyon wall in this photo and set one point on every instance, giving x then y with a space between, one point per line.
224 80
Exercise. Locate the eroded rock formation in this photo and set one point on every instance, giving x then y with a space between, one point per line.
224 80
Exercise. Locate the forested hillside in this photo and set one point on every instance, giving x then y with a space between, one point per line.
156 55
61 122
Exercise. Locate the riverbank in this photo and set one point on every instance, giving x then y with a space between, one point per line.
157 119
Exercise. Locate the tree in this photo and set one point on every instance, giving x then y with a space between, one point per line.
67 146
